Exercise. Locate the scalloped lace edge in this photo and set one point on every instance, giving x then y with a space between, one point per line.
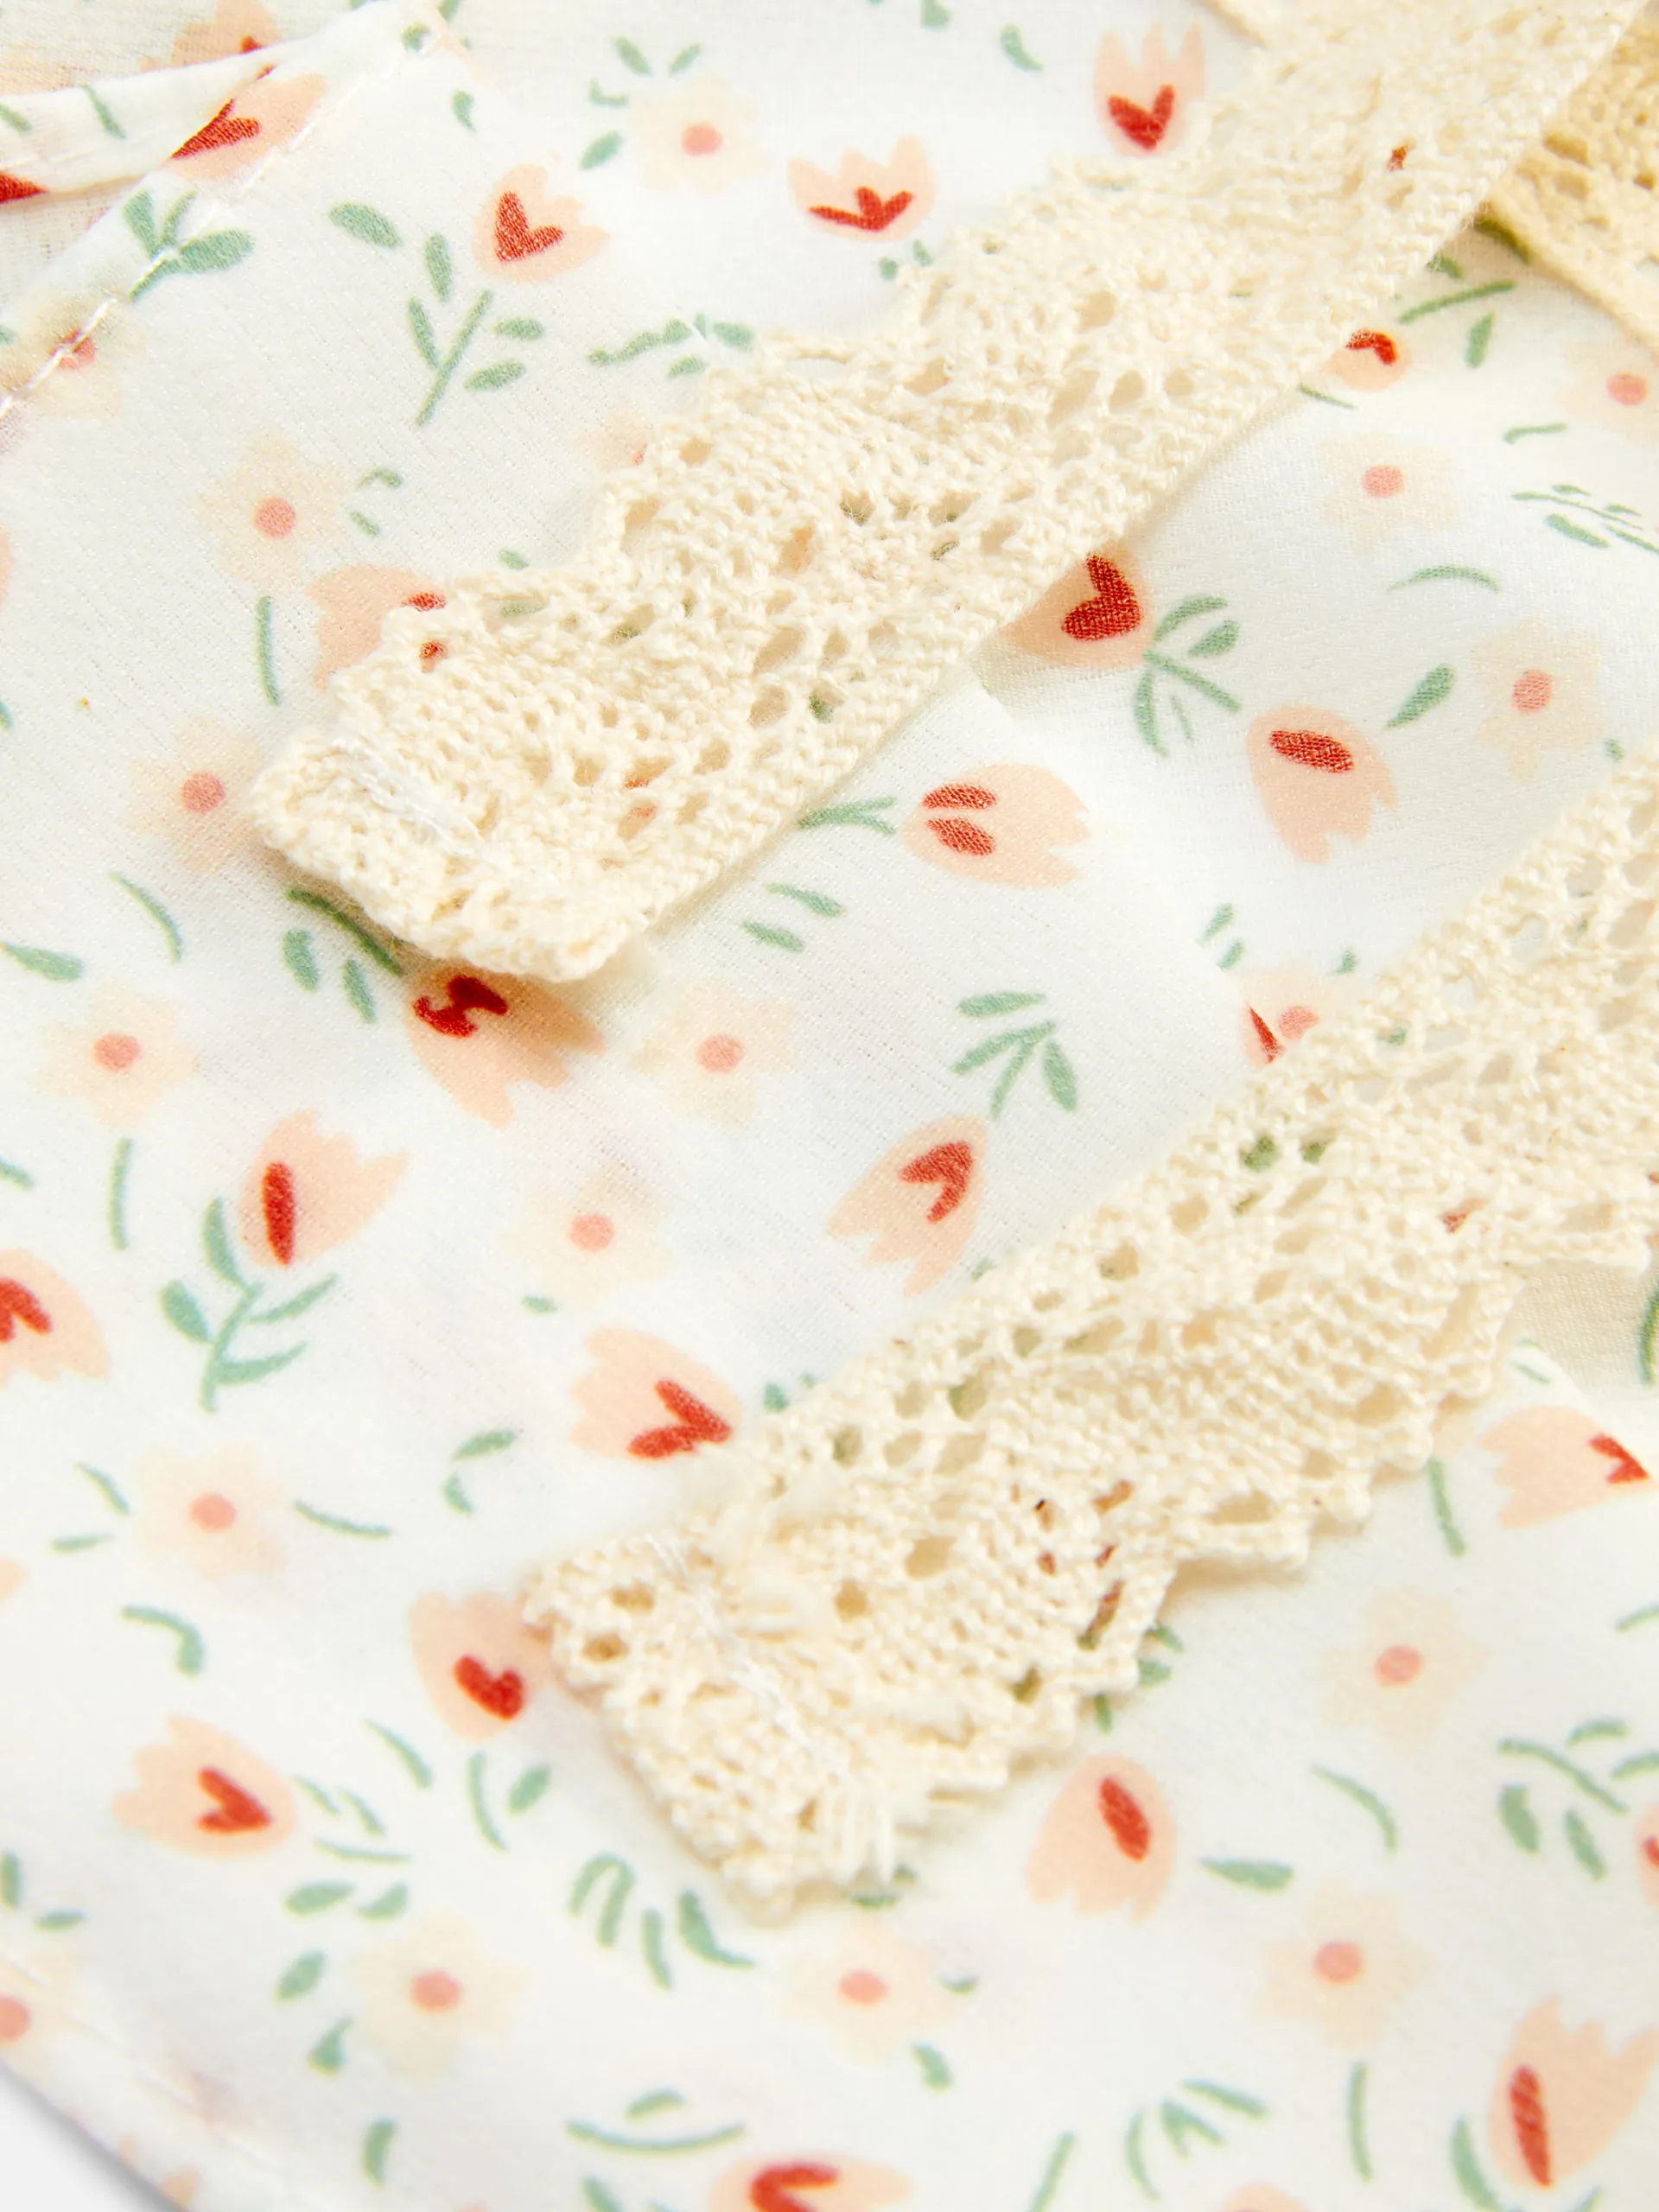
905 1583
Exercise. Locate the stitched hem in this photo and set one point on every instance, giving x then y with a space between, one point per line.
911 1578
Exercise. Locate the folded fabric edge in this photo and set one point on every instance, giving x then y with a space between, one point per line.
911 1578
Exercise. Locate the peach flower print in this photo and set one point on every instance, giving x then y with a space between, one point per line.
1401 1677
480 1664
1541 684
37 1983
12 1577
695 136
248 127
270 512
86 337
1370 360
1259 2197
709 1052
1563 2094
218 1513
123 1062
596 1240
920 1201
203 1792
523 236
422 1993
643 1400
353 602
1616 386
26 69
887 199
1647 1854
194 795
234 27
1000 824
1380 486
807 2184
619 439
306 1192
1318 777
1108 1841
45 1330
1143 105
874 1992
482 1035
1098 616
1347 1972
1554 1460
1282 1004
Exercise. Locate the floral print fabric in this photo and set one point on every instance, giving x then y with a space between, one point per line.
337 1286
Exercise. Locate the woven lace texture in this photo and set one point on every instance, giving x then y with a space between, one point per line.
907 1581
1583 200
532 775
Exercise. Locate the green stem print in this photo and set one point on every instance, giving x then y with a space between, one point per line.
444 361
1478 337
1597 1743
1018 1044
1166 678
1223 919
14 1897
223 1367
171 255
673 332
853 814
158 914
264 649
1613 520
300 954
120 1170
788 940
1183 2127
611 1881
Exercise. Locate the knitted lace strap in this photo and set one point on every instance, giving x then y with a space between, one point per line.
1583 200
908 1580
528 777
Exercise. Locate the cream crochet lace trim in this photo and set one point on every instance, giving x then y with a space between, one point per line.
1583 199
529 777
907 1581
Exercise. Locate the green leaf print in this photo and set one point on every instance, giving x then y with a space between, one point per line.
365 223
302 1977
1429 691
530 1788
317 1896
1251 1873
186 1317
1015 48
56 967
440 271
698 1937
376 2149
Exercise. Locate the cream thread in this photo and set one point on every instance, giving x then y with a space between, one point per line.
792 568
973 1529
